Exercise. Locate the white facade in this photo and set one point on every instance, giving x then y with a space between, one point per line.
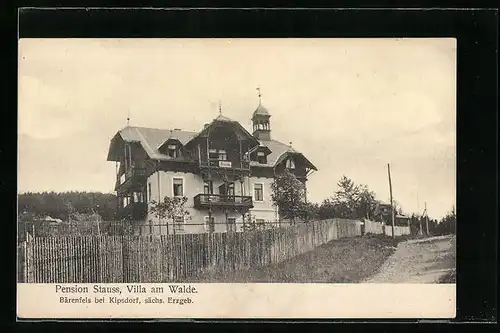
161 184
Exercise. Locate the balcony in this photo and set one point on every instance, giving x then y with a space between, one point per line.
134 211
133 177
225 164
223 201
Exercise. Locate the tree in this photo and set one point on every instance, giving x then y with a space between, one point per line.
288 194
62 204
366 203
398 209
448 223
248 222
350 201
170 208
346 198
327 209
311 211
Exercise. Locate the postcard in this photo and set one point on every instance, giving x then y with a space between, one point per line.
237 178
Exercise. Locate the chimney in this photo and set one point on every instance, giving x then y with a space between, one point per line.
206 125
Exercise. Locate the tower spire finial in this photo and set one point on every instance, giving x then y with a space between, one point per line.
259 94
220 107
128 117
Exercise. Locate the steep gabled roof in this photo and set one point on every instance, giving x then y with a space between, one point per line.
279 151
150 139
223 119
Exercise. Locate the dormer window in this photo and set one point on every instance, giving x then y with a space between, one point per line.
171 148
261 157
290 164
172 151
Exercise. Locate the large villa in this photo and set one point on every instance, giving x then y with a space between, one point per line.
224 171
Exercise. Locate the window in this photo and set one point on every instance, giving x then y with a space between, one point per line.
222 155
209 224
177 187
290 164
208 187
230 189
231 224
172 151
126 201
179 224
212 154
138 197
261 157
258 190
227 192
149 191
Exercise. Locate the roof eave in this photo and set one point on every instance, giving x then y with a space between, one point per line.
285 154
114 157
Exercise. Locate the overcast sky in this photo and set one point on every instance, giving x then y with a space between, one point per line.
350 105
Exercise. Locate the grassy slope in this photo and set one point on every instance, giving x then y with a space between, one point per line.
339 261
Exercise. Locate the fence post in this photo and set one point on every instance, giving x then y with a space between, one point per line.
24 268
124 260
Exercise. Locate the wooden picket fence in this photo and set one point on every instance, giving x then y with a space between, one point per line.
371 227
169 258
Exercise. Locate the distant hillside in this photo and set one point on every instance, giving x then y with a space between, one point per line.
60 205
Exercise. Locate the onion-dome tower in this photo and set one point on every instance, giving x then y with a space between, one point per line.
260 121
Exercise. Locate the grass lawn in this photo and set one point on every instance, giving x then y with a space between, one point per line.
339 261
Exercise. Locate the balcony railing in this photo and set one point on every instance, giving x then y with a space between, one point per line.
217 200
135 172
133 176
224 164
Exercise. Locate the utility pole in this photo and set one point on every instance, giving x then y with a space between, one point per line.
392 205
426 221
420 231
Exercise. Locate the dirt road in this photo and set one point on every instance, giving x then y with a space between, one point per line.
419 261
